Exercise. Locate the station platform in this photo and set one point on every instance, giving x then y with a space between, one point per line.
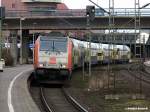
14 94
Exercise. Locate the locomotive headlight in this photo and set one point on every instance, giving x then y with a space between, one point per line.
40 65
63 66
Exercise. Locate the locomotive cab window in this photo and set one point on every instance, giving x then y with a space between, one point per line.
46 45
60 46
53 44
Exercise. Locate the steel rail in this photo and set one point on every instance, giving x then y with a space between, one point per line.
138 77
73 101
45 104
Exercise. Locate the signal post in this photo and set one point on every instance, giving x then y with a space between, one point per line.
90 15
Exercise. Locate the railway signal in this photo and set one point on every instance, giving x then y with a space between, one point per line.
90 12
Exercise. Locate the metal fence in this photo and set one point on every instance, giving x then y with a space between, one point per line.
74 12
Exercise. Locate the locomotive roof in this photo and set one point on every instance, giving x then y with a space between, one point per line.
52 38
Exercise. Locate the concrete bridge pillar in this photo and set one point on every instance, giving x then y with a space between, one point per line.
148 51
25 37
13 46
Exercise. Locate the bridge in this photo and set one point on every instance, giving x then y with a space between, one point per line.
73 19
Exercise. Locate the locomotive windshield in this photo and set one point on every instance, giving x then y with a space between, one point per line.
53 45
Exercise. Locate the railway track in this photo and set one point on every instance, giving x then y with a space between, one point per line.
130 78
58 100
140 80
54 98
136 71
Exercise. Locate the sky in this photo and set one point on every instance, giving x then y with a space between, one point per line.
81 4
